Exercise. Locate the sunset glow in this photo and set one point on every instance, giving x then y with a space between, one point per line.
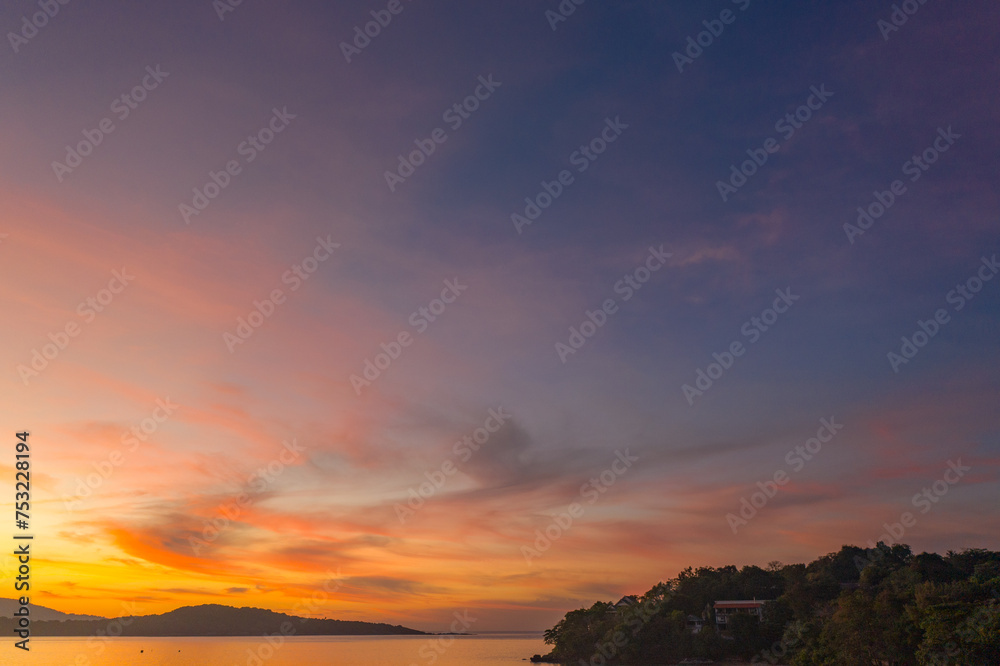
325 376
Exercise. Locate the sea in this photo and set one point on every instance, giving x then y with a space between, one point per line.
477 650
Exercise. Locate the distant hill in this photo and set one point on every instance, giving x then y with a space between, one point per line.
40 613
214 620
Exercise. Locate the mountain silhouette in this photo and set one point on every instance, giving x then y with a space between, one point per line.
40 613
213 620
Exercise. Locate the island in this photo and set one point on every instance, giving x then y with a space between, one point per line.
211 620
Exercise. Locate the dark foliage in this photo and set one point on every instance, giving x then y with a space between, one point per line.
881 606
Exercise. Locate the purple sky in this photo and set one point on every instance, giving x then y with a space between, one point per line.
593 121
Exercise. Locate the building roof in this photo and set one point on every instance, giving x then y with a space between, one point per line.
740 604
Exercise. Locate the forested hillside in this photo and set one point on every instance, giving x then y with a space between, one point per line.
877 606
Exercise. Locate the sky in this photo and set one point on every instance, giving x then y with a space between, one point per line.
506 309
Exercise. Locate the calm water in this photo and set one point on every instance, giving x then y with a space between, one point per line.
488 650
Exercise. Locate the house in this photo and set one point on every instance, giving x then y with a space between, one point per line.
626 601
725 610
623 604
694 623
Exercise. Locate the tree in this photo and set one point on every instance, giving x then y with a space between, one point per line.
878 606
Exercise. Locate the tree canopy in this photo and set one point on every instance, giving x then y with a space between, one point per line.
881 606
